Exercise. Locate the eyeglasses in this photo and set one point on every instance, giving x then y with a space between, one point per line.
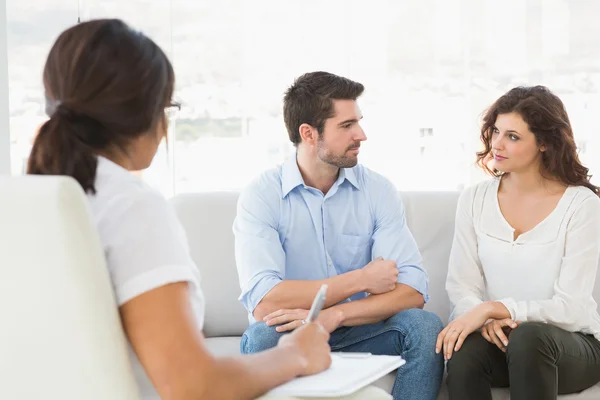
172 110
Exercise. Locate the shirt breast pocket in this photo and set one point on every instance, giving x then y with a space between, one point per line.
352 252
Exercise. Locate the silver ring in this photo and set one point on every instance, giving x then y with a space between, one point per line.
303 322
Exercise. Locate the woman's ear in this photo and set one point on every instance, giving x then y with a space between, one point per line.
162 128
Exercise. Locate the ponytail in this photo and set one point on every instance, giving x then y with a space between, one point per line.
66 144
106 85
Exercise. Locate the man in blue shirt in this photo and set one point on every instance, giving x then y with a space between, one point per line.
322 218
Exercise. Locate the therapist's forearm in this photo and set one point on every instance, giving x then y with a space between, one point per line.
379 307
253 374
294 294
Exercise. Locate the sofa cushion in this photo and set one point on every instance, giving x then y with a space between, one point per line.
226 346
208 219
430 218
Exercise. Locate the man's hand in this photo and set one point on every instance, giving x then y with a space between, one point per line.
380 276
496 331
289 320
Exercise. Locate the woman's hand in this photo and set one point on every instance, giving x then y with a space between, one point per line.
452 337
310 341
496 331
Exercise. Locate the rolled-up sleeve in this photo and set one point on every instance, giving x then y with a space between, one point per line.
392 240
259 255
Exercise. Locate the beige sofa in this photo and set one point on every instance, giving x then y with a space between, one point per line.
208 217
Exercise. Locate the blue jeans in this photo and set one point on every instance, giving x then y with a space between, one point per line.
410 334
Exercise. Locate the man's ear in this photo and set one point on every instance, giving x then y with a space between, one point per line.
308 134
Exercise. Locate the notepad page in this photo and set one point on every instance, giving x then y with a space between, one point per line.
345 376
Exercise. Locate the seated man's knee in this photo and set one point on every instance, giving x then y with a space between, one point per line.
422 327
527 340
259 337
430 322
426 322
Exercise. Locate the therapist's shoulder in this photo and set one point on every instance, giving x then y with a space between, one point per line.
122 198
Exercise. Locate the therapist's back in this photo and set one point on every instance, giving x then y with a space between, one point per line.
107 88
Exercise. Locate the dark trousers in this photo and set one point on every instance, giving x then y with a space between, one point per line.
541 361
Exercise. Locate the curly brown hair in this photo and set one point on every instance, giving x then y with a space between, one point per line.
547 118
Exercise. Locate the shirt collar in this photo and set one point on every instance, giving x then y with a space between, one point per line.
106 163
350 176
291 177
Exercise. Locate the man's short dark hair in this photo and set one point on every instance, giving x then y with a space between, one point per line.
310 100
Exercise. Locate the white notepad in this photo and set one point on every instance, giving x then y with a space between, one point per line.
346 376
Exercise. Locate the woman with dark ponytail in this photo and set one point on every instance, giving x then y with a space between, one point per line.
107 87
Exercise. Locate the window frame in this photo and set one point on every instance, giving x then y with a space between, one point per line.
5 165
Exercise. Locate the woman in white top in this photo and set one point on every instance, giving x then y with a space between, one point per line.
524 260
108 87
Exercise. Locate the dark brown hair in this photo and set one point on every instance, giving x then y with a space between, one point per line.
547 119
105 84
310 100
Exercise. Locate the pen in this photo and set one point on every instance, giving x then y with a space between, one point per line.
317 304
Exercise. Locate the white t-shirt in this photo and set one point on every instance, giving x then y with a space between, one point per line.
144 244
546 274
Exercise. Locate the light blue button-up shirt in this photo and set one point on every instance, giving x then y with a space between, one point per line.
287 230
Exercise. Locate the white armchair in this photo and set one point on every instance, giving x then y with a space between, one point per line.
60 335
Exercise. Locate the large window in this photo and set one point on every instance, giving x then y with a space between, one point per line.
32 26
430 68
